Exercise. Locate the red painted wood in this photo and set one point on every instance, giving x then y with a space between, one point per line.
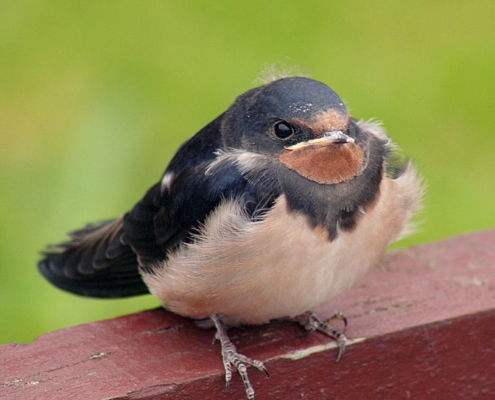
427 316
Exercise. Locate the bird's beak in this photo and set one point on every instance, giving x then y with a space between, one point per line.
328 138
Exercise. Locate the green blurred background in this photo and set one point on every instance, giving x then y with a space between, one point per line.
95 97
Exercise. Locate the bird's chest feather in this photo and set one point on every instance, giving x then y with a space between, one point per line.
252 272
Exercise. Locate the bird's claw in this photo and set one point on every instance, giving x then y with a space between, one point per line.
311 322
231 358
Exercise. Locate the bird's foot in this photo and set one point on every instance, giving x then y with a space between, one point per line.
311 322
231 358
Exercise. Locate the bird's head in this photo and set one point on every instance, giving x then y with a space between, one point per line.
303 123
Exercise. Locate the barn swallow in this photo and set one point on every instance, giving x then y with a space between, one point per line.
274 208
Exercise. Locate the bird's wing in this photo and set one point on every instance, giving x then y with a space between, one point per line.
95 262
103 260
169 217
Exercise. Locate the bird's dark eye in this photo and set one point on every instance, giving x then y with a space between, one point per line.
283 130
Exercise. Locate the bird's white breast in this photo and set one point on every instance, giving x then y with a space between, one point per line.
252 272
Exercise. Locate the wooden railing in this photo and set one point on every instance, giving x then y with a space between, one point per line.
422 327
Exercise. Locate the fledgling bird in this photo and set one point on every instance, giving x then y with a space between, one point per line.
274 208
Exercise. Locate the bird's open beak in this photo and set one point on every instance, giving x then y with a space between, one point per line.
328 138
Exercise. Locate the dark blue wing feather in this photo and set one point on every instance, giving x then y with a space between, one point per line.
173 217
103 260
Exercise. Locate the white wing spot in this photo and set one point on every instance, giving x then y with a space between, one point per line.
167 181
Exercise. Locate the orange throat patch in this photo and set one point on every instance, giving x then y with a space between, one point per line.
325 164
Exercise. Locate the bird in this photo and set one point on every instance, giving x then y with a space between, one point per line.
276 207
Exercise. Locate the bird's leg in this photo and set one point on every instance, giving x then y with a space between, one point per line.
311 322
231 357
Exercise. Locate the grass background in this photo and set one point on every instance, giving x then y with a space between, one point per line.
95 97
